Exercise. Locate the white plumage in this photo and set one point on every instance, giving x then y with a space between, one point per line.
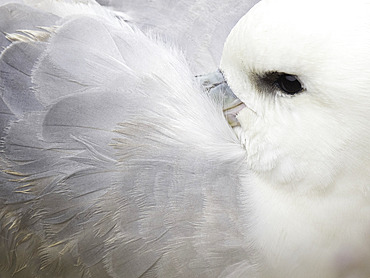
114 162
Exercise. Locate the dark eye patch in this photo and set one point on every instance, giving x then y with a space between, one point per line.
287 84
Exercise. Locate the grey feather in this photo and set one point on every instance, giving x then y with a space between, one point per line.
17 61
16 17
124 170
199 27
16 64
5 118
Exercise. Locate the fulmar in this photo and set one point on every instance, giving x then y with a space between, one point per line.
122 156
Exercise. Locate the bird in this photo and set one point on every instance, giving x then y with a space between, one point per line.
128 150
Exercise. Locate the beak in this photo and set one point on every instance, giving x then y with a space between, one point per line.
216 87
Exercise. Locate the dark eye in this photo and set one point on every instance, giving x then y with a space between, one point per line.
289 84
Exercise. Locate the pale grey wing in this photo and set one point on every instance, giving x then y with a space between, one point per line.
199 27
18 59
16 65
15 17
125 169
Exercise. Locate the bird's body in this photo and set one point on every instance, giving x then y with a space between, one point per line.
308 148
114 162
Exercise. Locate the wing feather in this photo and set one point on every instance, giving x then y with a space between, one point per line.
199 27
15 17
124 169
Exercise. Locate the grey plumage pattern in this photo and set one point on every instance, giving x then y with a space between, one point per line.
107 168
198 27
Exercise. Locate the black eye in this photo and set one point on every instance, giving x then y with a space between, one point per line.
289 84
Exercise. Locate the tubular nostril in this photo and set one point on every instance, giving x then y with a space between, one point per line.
217 88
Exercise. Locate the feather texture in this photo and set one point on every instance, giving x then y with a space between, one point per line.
198 27
114 167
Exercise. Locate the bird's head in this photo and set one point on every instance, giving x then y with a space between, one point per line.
302 68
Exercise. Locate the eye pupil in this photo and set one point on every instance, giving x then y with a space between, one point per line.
289 84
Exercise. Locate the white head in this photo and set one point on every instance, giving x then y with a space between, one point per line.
308 137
